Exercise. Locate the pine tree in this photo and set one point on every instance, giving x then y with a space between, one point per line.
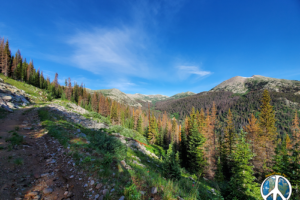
219 171
7 60
267 125
195 152
230 134
114 113
281 162
173 130
139 125
2 57
294 170
171 165
295 129
183 147
94 102
256 141
152 130
242 184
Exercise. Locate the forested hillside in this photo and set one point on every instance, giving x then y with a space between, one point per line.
241 105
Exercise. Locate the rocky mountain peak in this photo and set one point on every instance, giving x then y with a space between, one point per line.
239 84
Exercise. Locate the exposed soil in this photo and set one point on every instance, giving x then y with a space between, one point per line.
39 168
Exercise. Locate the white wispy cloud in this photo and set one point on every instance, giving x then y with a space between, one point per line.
186 71
115 51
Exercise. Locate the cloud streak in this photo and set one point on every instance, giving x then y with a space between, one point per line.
185 72
115 51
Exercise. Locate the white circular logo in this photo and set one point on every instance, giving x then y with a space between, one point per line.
276 188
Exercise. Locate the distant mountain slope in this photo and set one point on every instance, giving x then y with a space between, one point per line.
138 99
148 98
242 85
182 95
117 95
285 97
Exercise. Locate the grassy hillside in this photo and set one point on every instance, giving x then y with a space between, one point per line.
36 94
103 156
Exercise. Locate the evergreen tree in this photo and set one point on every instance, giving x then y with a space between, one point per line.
267 126
140 125
241 184
295 129
281 160
195 152
294 170
152 130
219 171
183 148
254 138
230 135
114 113
171 165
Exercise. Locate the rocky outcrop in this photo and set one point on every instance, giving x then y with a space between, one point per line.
134 145
288 102
241 85
12 97
71 115
148 98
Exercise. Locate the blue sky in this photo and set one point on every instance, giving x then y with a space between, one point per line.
156 47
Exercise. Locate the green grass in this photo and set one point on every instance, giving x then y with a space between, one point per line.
128 133
15 139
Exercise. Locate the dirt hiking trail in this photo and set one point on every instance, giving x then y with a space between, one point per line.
37 168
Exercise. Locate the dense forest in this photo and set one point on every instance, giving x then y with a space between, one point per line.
230 139
241 106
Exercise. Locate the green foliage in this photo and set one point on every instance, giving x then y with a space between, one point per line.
131 193
18 161
171 165
15 139
219 172
281 158
241 184
294 171
128 133
140 125
95 115
109 146
195 152
87 159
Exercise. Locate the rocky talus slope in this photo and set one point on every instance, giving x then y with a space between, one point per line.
11 97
